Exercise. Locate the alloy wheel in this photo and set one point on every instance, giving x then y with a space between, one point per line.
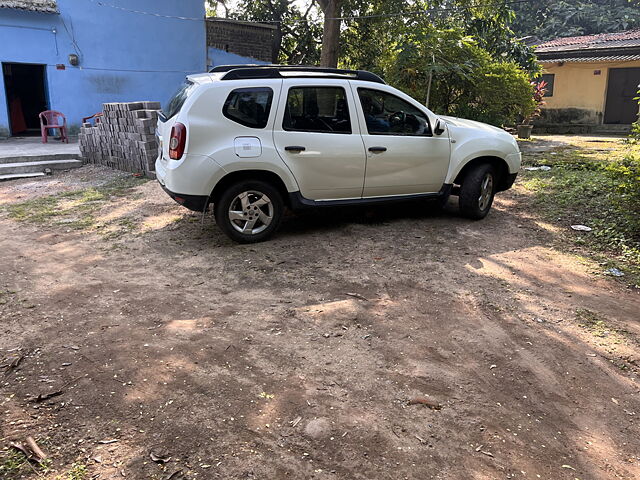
486 191
251 212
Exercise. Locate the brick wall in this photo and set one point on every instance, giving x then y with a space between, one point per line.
247 40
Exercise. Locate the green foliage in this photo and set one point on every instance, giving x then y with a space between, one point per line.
626 174
599 327
549 19
467 81
487 21
634 137
14 463
500 94
598 188
298 33
635 132
480 70
78 471
365 42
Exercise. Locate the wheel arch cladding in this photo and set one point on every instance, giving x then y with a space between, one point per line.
240 175
500 166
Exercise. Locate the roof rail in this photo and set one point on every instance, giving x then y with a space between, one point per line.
240 72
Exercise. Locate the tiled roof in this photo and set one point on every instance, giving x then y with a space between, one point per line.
630 38
43 6
603 58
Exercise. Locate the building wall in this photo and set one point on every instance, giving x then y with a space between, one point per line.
247 40
217 57
124 56
579 94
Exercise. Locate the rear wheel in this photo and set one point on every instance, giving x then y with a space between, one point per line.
249 211
477 191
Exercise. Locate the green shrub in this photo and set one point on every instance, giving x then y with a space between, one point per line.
626 174
467 80
635 128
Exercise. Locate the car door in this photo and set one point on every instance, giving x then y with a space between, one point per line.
317 135
403 156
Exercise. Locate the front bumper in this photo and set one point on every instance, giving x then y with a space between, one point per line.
197 203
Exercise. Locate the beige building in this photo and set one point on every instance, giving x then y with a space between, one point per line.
592 82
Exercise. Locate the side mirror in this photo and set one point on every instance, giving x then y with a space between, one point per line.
439 128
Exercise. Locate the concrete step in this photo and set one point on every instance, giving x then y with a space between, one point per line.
15 176
38 158
35 167
617 129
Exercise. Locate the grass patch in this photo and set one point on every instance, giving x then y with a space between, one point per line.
584 186
14 463
78 471
73 210
599 328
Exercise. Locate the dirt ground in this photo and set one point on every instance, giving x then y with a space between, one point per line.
300 357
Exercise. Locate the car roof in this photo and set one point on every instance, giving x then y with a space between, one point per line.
200 78
249 72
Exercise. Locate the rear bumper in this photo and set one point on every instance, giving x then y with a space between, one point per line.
192 175
197 203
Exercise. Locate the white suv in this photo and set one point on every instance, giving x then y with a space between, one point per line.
252 140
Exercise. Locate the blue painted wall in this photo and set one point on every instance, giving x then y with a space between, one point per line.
217 57
124 56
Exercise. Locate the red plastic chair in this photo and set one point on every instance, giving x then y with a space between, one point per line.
50 119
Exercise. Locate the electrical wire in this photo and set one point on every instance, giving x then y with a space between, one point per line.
141 12
304 20
29 27
188 72
71 37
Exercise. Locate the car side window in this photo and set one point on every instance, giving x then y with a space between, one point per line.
386 114
249 106
317 109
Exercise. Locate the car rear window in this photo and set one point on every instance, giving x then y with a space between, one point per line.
249 106
174 104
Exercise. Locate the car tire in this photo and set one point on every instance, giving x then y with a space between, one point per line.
249 211
477 191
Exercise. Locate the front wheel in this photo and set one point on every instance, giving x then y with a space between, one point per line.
477 191
249 211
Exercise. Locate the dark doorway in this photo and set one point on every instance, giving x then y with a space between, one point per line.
623 88
26 96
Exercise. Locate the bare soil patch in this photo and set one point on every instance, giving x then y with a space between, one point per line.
303 357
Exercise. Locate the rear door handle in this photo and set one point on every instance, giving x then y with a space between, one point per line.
377 149
294 148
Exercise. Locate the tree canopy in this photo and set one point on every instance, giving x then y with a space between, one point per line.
464 54
549 19
461 50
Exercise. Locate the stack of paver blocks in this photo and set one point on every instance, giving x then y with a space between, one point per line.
124 138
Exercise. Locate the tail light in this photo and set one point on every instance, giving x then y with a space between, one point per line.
178 141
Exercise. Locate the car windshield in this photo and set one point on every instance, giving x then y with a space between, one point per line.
174 104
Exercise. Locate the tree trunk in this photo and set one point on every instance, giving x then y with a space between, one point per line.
331 33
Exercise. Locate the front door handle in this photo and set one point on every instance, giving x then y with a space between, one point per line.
377 149
294 148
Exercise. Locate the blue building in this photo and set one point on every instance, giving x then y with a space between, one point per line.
74 55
